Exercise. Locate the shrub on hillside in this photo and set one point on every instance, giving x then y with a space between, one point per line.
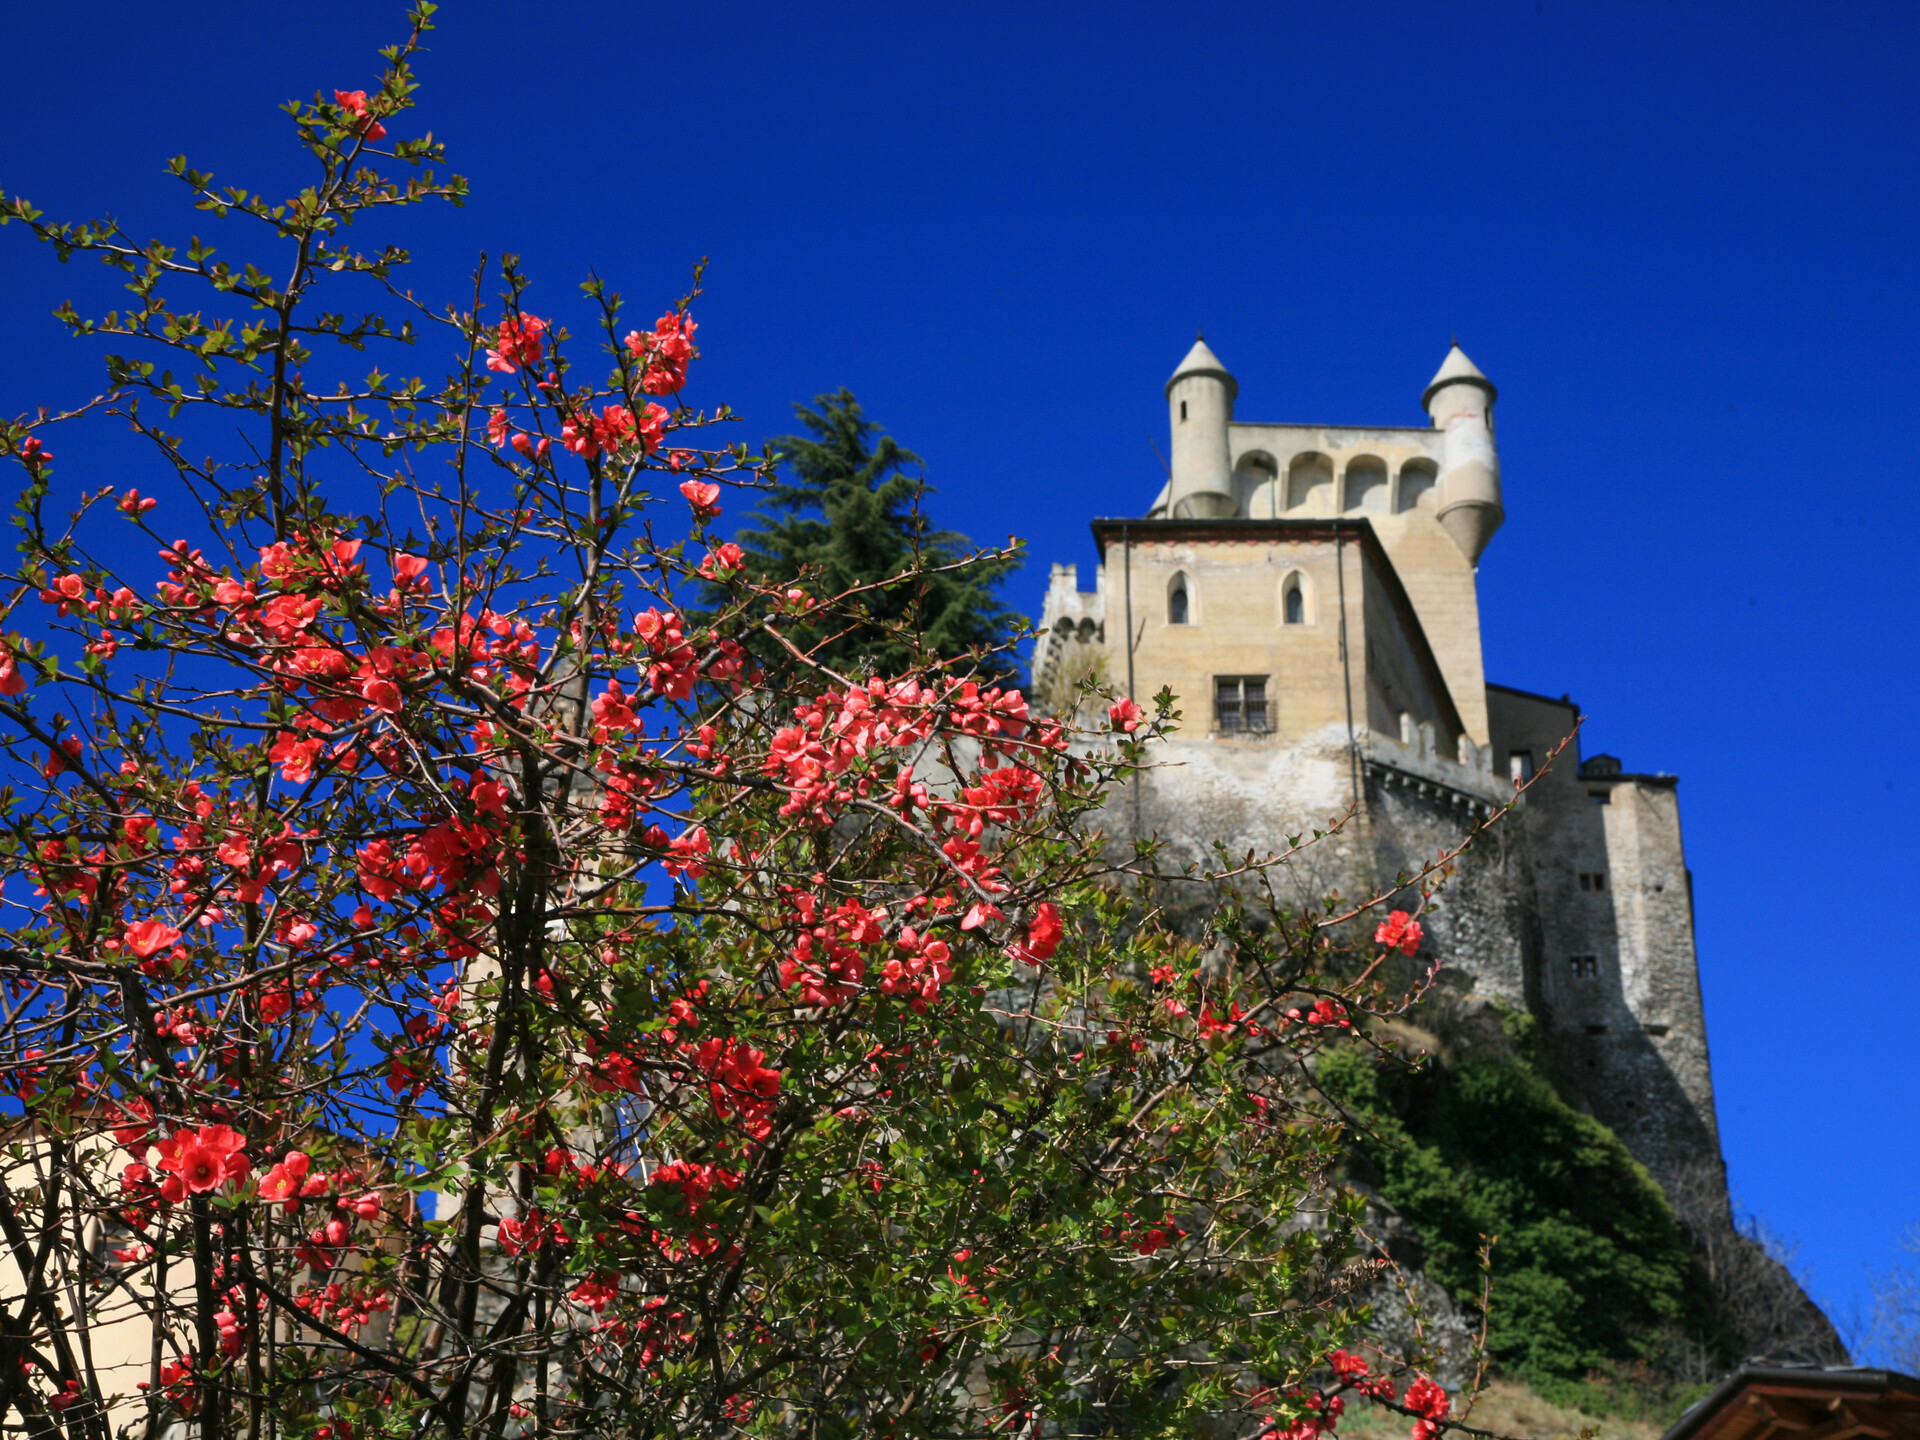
1593 1281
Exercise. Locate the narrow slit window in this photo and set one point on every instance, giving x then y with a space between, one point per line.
1240 704
1296 604
1183 409
1177 601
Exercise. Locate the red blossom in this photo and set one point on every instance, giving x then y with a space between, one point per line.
664 353
1043 936
1428 1400
206 1158
722 560
517 343
354 102
703 496
144 937
687 854
1399 929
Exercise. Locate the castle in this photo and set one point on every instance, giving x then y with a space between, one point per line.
1308 593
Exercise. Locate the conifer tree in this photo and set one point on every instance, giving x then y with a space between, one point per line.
847 513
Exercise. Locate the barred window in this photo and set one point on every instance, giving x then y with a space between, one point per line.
1240 703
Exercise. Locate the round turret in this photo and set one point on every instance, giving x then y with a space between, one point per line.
1460 400
1200 400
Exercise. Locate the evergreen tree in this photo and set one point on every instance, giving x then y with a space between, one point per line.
847 513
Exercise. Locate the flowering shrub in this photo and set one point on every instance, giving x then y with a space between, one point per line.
510 1009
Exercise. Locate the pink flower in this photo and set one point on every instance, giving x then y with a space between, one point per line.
518 344
1125 715
354 102
12 680
497 428
146 936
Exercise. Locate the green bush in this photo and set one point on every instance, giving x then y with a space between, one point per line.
1593 1281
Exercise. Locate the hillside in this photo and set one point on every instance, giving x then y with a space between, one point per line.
1605 1301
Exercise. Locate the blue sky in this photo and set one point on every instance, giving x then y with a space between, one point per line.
1680 239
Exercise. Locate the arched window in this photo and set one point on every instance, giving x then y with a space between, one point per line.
1296 599
1177 607
1366 483
1255 486
1416 482
1310 484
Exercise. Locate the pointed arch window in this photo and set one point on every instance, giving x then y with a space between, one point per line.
1178 604
1295 599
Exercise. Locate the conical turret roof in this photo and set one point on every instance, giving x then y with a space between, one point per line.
1458 369
1202 361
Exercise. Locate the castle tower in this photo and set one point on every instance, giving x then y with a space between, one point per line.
1200 400
1460 400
